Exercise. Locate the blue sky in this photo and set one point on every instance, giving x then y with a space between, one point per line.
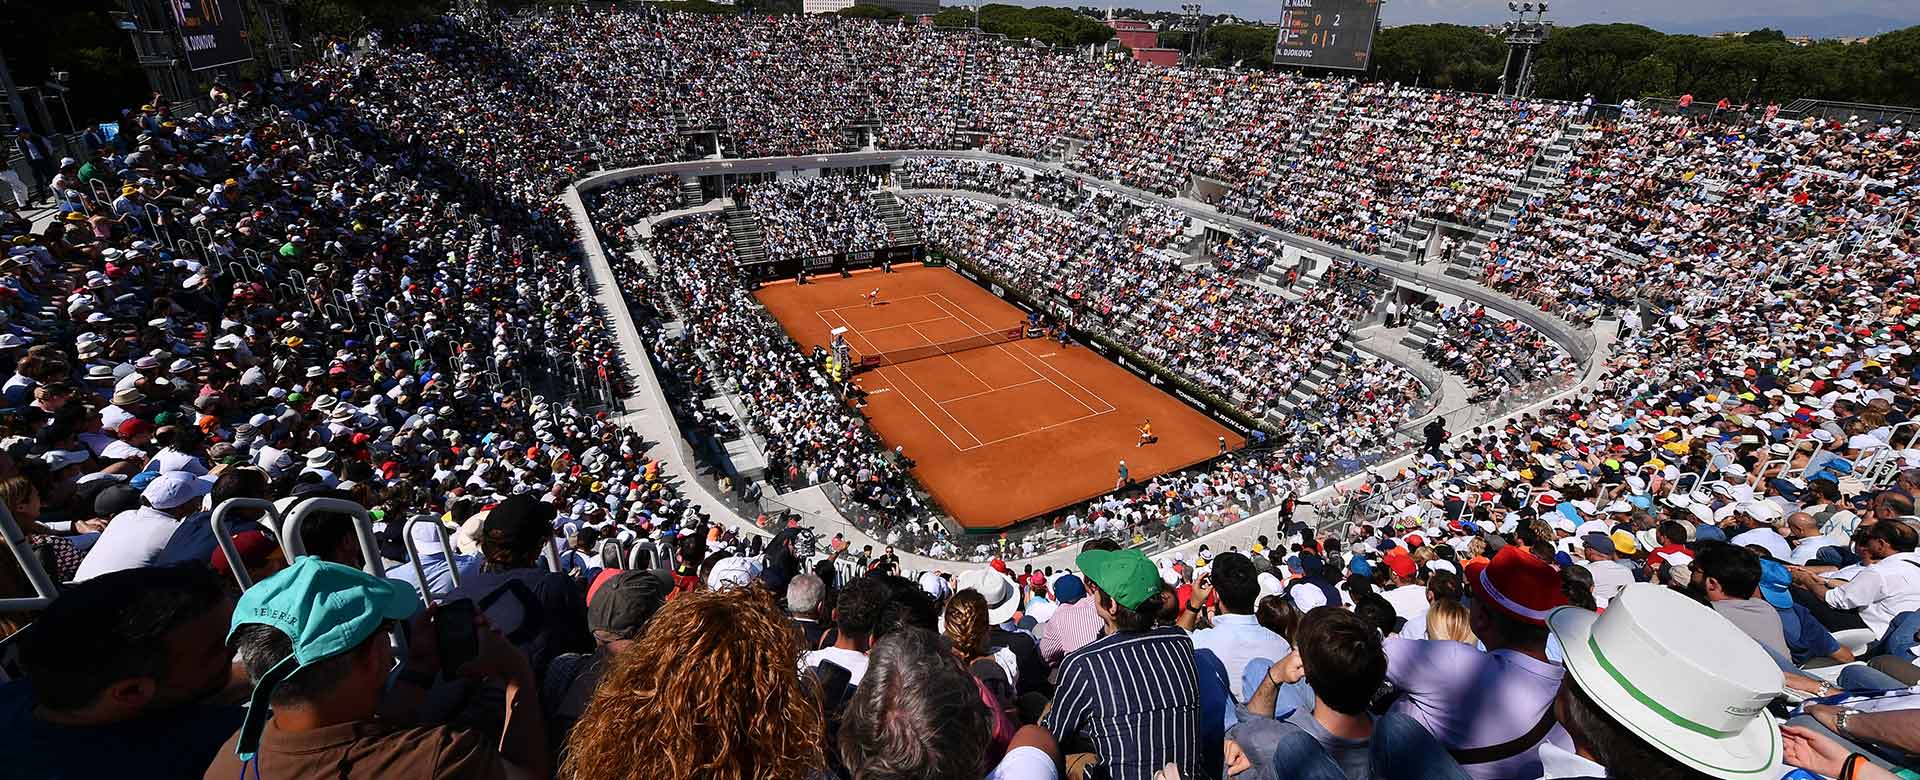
1816 16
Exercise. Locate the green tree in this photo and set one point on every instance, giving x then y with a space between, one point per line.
1892 65
1648 75
1230 43
342 18
953 17
1592 58
1444 56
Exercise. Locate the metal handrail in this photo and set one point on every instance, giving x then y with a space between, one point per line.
223 536
413 554
291 542
44 588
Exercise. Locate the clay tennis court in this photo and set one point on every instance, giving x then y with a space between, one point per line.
1004 432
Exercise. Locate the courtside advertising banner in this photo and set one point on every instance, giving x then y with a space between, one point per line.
213 32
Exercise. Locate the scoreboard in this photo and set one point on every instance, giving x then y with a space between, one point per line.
1326 33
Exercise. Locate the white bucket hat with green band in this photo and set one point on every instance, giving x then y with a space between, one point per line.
1679 676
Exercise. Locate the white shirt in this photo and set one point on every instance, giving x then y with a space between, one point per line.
132 540
1805 549
1410 602
1236 640
1881 591
1609 578
853 661
171 459
1024 763
1557 762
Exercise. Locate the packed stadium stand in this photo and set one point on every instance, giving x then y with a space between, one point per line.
413 414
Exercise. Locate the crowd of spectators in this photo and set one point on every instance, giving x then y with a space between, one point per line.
813 216
994 178
355 284
1118 261
1341 160
1490 353
1663 208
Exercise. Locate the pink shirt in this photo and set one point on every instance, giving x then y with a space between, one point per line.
1071 627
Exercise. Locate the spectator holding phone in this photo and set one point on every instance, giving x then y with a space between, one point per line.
313 639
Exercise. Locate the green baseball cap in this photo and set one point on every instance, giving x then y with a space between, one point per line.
1126 575
326 609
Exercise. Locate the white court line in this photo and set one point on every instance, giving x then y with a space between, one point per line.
1037 430
869 306
943 410
992 390
956 361
909 324
1023 363
909 398
1069 377
923 391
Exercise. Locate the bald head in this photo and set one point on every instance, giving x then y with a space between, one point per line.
1801 525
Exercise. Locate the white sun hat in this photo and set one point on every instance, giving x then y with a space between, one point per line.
1001 594
1680 677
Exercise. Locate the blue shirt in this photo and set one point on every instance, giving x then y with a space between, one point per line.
1236 640
1806 638
176 744
193 540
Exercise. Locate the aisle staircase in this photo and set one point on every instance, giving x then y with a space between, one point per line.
901 230
691 195
1547 172
749 242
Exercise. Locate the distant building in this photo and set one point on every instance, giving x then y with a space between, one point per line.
908 7
1165 58
1141 38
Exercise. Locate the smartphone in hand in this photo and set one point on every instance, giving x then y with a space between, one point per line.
457 636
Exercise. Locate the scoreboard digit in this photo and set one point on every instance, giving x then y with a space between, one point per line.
1326 33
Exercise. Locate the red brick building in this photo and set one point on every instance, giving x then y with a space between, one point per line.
1144 41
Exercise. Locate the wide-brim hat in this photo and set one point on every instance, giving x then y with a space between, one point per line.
1003 597
1680 677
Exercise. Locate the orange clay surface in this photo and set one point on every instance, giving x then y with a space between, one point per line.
1000 433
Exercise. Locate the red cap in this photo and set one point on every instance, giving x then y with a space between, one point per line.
1401 563
1517 584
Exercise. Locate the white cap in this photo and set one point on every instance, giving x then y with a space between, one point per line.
60 459
174 488
734 572
1767 539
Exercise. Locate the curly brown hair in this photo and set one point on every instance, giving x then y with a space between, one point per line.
710 690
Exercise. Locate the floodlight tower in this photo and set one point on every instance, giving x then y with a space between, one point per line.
1524 34
1190 13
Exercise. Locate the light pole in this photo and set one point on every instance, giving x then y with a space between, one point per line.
57 90
1524 34
1192 11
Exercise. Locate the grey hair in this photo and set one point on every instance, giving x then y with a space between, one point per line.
260 646
917 714
804 594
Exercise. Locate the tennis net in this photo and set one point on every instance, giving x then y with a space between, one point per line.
895 357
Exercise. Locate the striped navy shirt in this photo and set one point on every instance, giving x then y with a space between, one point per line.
1133 697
